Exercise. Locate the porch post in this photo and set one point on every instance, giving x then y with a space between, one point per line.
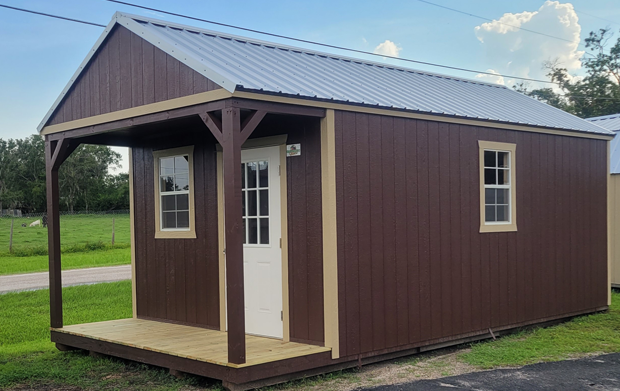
55 153
53 235
231 146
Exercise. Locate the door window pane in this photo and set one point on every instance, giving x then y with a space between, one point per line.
251 175
252 202
264 231
252 231
263 173
264 202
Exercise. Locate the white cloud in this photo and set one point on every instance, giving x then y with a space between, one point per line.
491 78
388 48
511 50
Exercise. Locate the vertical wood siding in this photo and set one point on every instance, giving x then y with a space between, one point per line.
413 266
127 72
177 279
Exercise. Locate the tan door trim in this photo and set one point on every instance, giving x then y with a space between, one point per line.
330 240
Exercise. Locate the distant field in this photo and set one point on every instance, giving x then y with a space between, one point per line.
77 230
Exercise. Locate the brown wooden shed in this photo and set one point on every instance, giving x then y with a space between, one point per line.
295 212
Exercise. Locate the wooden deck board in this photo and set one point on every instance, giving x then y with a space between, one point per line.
189 342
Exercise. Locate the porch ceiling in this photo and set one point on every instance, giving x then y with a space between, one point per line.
193 343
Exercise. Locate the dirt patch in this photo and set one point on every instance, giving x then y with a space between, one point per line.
432 365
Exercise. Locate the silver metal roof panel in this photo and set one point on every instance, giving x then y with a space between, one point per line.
611 122
239 63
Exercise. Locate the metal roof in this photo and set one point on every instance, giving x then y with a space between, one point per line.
611 122
242 64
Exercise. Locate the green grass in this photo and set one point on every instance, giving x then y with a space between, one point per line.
76 232
599 333
28 360
78 260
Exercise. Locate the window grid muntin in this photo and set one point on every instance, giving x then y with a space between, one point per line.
184 172
259 186
506 186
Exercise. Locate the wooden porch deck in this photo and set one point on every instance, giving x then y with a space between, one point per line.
193 343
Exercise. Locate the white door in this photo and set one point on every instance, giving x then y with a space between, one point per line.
262 257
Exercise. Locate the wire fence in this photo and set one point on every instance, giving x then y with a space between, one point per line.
11 214
79 231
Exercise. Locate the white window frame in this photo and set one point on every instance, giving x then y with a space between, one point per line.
499 226
174 233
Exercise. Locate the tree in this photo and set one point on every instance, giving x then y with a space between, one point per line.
598 92
82 175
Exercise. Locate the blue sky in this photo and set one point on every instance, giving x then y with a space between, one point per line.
39 54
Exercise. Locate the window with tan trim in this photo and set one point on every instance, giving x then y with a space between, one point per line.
497 187
174 193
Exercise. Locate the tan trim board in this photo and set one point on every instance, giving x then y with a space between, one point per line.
261 142
185 234
286 336
609 223
512 148
132 233
221 239
405 114
330 240
614 229
190 100
211 96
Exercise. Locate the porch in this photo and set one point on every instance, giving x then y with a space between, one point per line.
193 343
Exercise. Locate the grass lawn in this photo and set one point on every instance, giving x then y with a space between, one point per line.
76 230
599 333
39 263
29 361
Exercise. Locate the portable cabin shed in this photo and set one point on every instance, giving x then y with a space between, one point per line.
612 123
296 212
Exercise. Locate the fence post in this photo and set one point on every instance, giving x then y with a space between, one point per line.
112 231
11 237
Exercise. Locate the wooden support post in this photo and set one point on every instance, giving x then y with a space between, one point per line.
112 231
55 154
53 235
231 146
11 237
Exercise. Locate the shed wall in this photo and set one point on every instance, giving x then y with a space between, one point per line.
614 236
127 72
177 279
413 267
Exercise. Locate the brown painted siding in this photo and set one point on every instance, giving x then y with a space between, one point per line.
127 72
413 266
177 279
614 202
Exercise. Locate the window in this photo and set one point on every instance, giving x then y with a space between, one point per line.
255 201
497 187
174 193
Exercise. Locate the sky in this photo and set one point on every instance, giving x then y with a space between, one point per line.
38 55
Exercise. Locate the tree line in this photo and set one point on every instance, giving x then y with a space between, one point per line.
598 92
84 180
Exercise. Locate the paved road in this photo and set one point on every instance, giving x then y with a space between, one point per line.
32 281
594 373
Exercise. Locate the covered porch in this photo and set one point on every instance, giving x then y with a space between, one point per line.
225 352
